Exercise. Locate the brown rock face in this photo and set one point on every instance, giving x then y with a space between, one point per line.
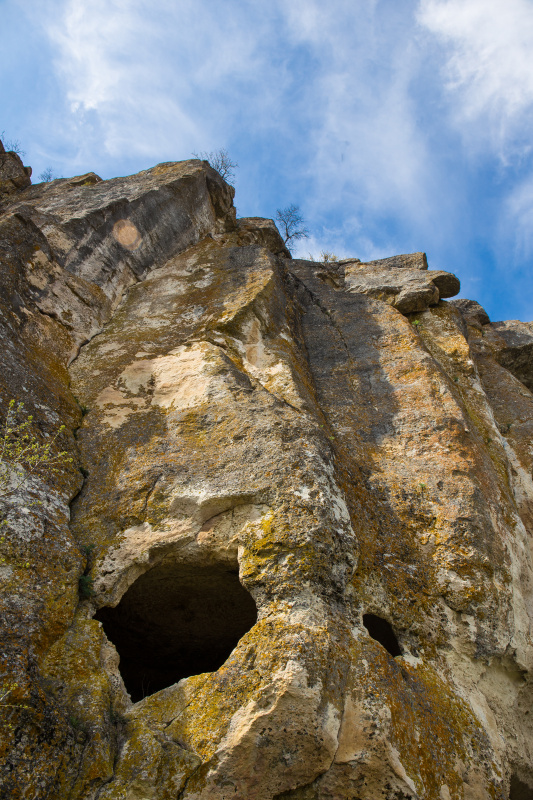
13 174
301 510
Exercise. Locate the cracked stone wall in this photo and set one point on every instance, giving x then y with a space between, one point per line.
264 448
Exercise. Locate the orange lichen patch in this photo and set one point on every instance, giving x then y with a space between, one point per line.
127 234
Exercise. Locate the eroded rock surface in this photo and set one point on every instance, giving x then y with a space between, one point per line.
13 174
302 502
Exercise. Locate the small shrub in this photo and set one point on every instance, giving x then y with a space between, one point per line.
6 689
85 587
23 454
88 549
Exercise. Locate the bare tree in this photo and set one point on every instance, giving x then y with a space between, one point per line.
47 175
221 161
12 145
292 224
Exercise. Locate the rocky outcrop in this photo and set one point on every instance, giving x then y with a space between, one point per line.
301 506
403 282
13 174
512 344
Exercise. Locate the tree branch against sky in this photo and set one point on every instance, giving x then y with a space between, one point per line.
292 224
221 161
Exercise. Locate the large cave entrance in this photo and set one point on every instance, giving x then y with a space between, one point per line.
177 620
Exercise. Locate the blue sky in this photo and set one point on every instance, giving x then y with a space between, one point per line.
395 125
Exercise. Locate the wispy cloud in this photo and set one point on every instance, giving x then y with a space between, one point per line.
487 66
517 223
395 126
330 87
143 75
484 57
367 155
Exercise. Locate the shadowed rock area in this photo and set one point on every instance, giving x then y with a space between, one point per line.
292 554
176 621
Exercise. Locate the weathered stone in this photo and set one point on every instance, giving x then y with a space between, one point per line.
405 261
403 287
307 518
13 174
513 347
472 311
255 230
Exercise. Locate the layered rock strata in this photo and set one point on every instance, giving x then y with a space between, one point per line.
300 505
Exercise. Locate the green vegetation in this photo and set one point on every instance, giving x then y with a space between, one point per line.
85 587
6 689
24 454
85 583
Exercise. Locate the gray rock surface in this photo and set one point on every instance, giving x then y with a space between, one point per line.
472 311
402 281
516 349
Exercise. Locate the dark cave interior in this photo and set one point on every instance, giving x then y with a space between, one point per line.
381 630
177 620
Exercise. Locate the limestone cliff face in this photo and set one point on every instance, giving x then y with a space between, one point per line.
301 501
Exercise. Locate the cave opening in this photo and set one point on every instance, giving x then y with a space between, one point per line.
519 790
177 620
381 630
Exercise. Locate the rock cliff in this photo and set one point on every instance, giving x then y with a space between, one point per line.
300 505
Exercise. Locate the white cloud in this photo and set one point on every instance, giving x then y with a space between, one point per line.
332 83
488 70
518 220
143 70
367 151
365 112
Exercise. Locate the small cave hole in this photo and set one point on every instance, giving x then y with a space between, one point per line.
175 621
381 630
519 790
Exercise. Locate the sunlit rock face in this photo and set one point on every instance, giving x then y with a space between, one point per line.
301 506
